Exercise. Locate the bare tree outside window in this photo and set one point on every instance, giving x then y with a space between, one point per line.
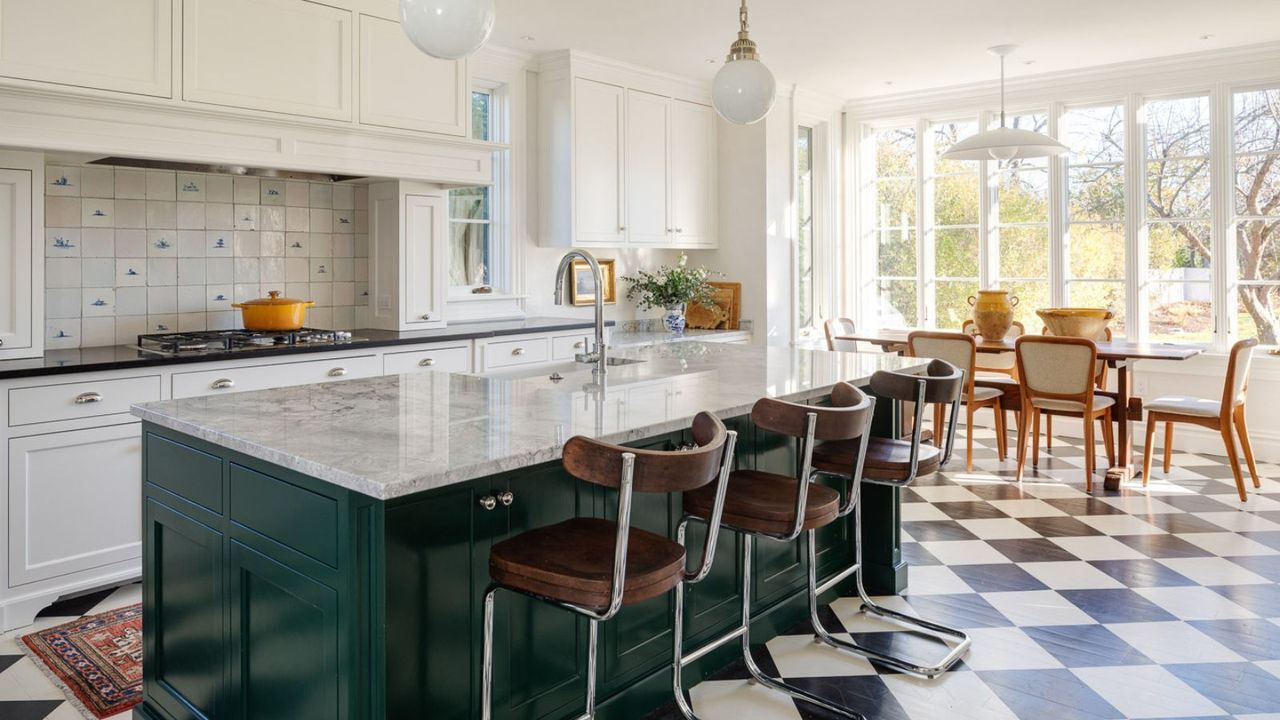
1256 198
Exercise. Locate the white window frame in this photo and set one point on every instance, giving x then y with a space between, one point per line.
1133 85
827 124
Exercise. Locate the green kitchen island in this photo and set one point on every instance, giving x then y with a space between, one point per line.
320 552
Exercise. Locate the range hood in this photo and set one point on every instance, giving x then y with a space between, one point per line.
222 169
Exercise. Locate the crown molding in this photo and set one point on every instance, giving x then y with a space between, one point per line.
1175 73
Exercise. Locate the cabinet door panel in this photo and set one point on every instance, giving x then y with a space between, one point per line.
122 45
424 257
288 56
693 174
647 161
598 157
15 260
186 640
285 638
74 501
403 87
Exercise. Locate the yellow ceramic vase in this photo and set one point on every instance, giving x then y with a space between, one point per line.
993 313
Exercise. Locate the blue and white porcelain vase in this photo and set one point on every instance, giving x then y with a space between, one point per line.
674 318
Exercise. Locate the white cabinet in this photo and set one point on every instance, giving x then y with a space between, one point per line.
121 45
21 255
403 87
599 131
224 381
74 502
648 164
694 154
408 276
627 160
443 358
287 56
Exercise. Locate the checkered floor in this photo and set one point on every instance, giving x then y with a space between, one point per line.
1156 603
1160 603
25 692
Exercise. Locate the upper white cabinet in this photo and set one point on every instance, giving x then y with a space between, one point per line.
648 163
629 159
403 87
599 214
288 56
408 231
21 255
694 157
121 45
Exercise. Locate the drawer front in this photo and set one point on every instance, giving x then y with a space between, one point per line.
440 359
263 377
564 347
510 353
71 401
290 515
186 472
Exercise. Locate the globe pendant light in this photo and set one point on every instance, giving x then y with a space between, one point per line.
1005 143
744 89
448 29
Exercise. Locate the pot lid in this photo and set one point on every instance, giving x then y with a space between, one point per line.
275 299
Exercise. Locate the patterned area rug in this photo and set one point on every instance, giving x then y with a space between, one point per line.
96 660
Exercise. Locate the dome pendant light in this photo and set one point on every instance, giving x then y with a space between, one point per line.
744 89
1005 143
448 29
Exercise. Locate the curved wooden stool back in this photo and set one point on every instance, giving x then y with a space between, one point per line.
654 471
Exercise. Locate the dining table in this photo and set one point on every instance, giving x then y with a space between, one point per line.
1119 354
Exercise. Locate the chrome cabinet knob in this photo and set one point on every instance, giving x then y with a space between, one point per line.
506 497
338 372
488 502
580 345
426 362
427 316
223 384
518 351
680 230
87 398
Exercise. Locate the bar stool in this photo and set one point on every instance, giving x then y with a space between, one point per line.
594 567
895 463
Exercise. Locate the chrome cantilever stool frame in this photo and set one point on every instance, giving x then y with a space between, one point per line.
617 588
807 475
928 389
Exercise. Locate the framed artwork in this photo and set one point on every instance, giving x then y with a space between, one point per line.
582 290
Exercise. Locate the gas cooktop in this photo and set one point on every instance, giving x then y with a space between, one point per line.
236 341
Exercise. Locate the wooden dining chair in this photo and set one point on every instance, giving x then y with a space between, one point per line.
837 327
1056 374
961 350
1220 415
1100 381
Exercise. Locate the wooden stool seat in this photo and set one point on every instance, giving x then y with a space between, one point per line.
573 562
765 502
886 459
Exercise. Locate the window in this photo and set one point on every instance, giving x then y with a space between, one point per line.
471 252
953 236
1022 226
1178 283
1256 213
1095 258
805 298
894 227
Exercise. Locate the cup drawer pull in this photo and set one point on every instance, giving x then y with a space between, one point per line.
223 384
427 362
338 372
518 352
88 398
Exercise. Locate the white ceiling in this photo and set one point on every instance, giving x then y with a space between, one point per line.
853 48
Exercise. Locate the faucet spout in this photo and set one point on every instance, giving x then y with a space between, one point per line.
598 353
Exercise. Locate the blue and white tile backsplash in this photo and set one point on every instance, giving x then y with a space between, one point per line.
133 251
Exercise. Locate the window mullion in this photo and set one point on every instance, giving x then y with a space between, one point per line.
925 232
988 212
1222 241
1135 184
1058 205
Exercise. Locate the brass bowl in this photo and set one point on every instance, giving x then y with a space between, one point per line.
1088 323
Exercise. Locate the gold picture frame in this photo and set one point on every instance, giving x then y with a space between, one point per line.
581 288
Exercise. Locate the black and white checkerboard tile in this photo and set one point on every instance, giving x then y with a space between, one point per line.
1155 603
25 692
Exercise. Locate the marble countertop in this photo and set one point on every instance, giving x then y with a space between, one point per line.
392 436
621 338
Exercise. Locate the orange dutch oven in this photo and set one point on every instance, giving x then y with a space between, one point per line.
274 313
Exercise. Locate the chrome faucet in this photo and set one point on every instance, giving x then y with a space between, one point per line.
597 354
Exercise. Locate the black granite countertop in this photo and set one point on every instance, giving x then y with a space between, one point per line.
123 357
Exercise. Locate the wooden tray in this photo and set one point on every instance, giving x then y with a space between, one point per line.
725 312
